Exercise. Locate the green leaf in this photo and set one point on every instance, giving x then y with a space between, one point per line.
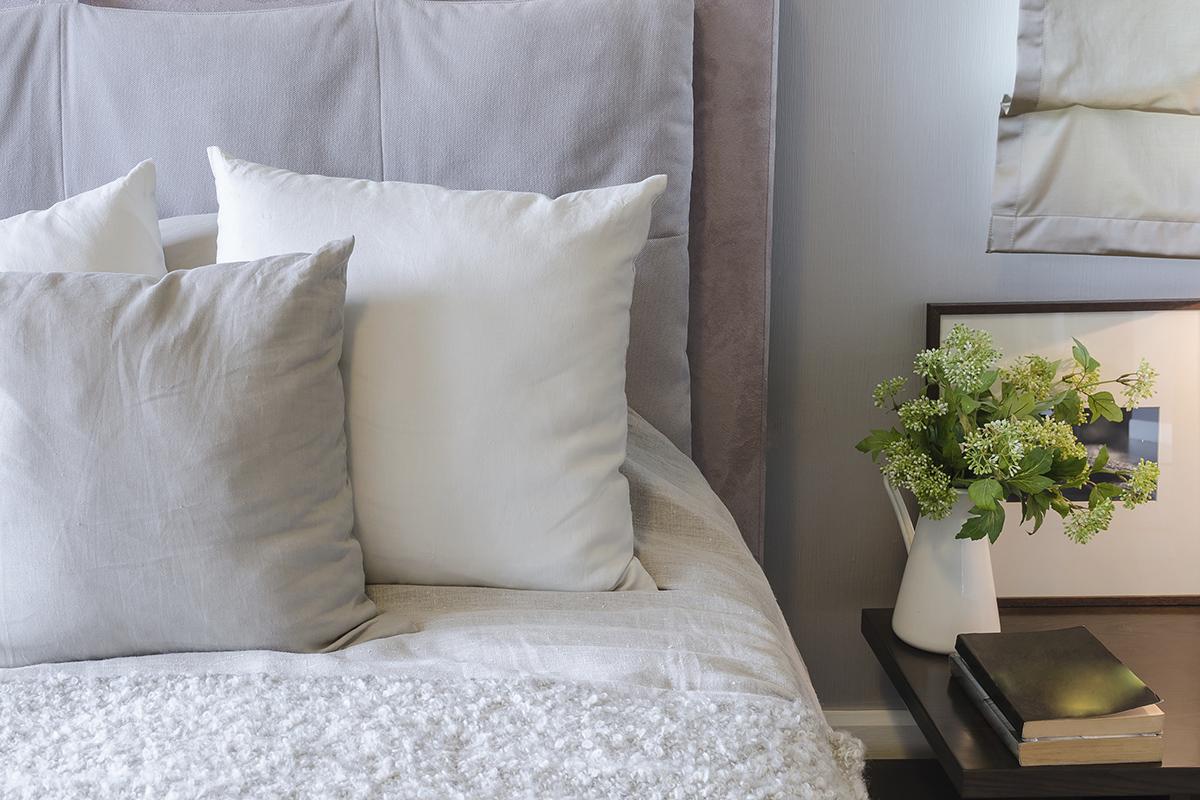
987 379
1067 409
1033 515
1034 507
1104 404
1051 402
1019 404
952 455
1103 491
1042 407
983 523
1083 357
985 493
1031 484
1040 501
1070 471
1101 459
1060 505
877 441
1036 462
968 404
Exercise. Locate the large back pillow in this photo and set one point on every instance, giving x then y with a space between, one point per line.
549 96
174 464
484 365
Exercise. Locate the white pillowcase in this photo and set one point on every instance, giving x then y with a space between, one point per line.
484 365
110 229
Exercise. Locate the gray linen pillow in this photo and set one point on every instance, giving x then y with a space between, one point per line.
173 462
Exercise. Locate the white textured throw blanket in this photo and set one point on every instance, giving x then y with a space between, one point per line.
260 736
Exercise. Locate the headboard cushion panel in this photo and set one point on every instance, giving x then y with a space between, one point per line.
298 85
30 125
598 91
550 95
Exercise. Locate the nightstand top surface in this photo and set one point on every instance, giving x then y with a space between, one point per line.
1160 644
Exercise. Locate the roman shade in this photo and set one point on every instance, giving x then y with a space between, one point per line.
1099 145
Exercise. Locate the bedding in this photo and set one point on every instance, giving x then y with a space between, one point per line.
189 241
113 228
550 96
486 335
174 462
369 737
569 694
30 57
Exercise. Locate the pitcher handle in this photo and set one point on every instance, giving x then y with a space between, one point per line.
907 532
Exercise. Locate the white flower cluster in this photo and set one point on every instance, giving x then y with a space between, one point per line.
918 413
1085 522
1143 483
907 467
1033 374
1141 386
995 450
962 361
887 390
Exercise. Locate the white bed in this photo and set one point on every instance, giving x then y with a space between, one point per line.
712 634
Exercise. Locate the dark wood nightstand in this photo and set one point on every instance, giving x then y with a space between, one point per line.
1160 644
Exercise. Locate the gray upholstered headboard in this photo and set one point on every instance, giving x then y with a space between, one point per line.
99 122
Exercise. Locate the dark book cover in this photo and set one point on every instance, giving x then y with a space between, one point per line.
1059 674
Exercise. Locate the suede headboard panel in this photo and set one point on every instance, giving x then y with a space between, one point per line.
730 226
734 88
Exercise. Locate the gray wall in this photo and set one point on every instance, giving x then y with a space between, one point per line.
886 140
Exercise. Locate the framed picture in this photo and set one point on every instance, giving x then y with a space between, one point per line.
1154 551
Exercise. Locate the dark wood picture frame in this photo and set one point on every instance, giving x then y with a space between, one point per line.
934 312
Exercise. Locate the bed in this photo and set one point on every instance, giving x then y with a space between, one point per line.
695 690
470 692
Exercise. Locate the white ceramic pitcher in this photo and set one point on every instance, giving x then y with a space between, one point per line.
948 586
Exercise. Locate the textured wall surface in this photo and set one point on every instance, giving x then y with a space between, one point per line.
886 140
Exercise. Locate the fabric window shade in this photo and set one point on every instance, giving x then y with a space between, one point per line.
1099 147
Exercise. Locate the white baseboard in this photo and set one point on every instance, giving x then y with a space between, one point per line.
887 733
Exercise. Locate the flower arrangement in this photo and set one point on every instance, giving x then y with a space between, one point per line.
1009 433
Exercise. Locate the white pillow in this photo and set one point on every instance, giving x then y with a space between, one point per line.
110 229
484 367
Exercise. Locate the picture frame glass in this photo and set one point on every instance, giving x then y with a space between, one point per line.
1153 550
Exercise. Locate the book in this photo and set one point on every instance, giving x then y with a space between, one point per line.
1146 719
1060 750
1059 683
